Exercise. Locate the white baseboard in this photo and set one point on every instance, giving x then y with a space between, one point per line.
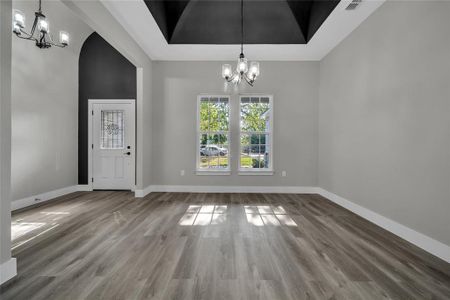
8 270
144 192
28 201
427 243
226 189
84 188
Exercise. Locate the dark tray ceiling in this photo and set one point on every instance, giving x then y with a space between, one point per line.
218 21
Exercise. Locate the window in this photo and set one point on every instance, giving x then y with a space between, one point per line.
256 134
112 136
213 134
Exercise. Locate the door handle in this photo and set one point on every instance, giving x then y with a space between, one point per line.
127 153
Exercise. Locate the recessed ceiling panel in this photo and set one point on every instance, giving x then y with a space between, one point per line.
219 21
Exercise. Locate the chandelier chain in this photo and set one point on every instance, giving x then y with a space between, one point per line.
242 26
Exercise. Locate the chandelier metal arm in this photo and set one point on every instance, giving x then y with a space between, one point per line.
29 36
26 37
33 28
55 44
59 45
46 42
42 39
231 78
248 80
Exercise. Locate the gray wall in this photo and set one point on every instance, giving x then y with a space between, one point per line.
176 85
5 131
45 105
384 125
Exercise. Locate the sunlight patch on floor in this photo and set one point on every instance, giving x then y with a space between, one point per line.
260 215
37 224
35 236
257 215
203 215
19 229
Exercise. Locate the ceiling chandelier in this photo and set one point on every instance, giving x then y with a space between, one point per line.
243 70
41 36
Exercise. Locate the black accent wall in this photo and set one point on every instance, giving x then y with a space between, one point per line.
103 74
219 21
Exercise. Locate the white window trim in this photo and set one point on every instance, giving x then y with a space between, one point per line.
202 172
269 171
226 171
265 172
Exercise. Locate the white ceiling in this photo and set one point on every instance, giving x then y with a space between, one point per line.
135 17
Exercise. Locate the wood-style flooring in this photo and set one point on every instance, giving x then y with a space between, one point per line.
110 245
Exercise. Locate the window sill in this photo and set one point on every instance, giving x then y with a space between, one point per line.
213 173
256 173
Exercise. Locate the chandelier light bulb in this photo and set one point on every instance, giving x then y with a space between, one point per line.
18 19
242 66
16 29
226 71
254 69
43 26
64 38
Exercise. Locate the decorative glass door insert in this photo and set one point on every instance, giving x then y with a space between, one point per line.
112 129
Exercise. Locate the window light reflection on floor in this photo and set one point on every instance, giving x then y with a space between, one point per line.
23 231
203 215
53 226
261 215
257 215
19 229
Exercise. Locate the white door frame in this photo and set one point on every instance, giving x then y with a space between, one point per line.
90 141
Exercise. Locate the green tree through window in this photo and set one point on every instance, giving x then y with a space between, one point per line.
214 117
255 125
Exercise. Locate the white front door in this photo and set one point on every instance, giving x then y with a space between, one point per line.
113 144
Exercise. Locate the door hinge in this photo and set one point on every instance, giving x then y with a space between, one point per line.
92 179
92 112
92 146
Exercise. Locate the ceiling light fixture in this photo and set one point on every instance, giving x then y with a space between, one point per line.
41 36
243 71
